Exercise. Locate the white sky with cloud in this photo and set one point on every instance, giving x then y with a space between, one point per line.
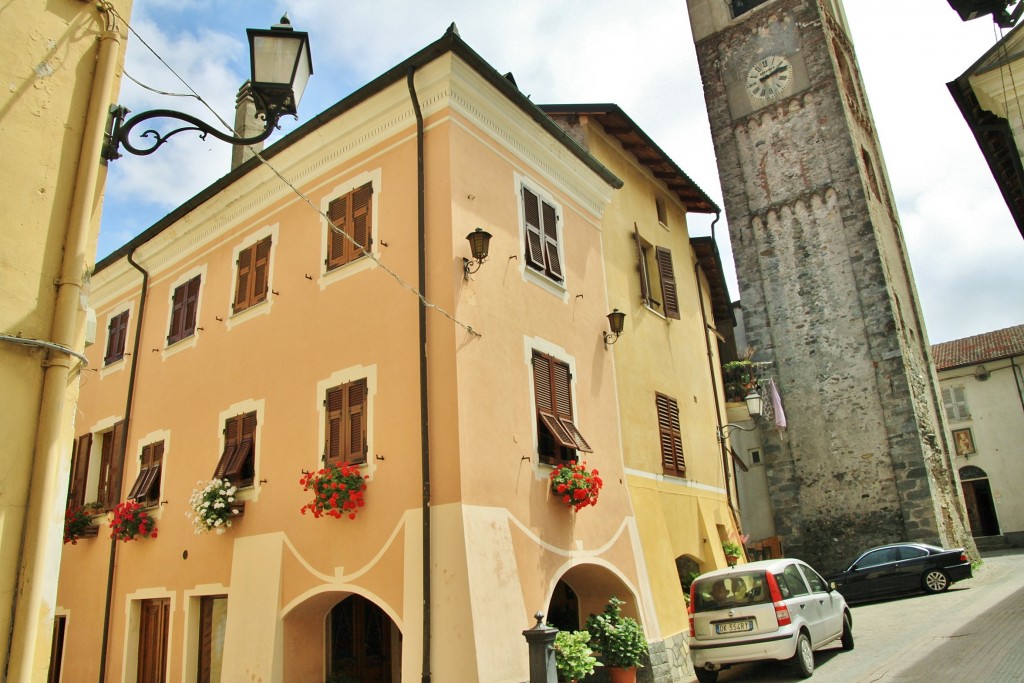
966 253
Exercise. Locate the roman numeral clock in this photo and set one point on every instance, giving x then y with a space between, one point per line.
827 298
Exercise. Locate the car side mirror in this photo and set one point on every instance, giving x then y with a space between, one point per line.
832 585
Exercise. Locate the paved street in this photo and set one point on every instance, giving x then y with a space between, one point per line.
974 632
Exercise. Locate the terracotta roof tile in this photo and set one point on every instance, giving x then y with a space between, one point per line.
979 348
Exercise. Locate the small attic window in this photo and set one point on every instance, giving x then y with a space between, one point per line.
743 6
659 206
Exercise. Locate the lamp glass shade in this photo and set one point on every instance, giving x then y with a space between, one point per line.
616 321
280 59
755 404
479 244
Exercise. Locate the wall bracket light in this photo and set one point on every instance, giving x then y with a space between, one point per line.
281 66
616 322
479 245
755 407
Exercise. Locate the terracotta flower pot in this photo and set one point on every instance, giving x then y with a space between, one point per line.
616 675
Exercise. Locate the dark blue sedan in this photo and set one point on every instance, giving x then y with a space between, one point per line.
902 568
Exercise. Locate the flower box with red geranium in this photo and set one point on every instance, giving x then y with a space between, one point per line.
337 491
78 522
576 486
128 520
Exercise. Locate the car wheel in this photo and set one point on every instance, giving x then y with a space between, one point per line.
804 657
935 581
847 639
706 676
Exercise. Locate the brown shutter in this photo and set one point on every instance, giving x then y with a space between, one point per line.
362 201
237 465
191 307
334 403
645 285
542 382
117 332
177 314
554 261
261 271
154 617
147 455
80 470
115 465
670 436
534 231
243 277
561 383
355 445
668 282
337 212
232 428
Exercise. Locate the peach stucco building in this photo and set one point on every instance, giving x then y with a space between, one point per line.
243 336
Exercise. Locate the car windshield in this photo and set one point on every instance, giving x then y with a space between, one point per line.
741 588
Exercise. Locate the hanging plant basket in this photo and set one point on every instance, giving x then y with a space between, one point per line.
337 491
128 520
576 486
213 506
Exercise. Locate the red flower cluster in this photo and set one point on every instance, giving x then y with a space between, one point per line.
337 490
130 520
76 521
575 485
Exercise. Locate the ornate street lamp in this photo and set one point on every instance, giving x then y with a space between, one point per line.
281 66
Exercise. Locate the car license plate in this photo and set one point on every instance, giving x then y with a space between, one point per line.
734 627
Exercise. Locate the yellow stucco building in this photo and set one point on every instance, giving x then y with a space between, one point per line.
60 64
245 336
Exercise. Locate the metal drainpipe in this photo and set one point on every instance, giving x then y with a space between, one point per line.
424 416
38 554
714 386
107 607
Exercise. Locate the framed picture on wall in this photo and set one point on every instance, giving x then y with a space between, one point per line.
964 441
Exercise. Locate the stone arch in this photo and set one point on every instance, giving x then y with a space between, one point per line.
331 620
584 589
687 568
979 501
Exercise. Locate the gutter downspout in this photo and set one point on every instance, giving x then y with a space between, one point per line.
41 544
424 416
129 400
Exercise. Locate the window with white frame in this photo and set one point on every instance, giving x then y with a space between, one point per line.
542 234
955 402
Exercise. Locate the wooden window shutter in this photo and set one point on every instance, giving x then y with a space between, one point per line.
117 333
670 436
534 231
238 460
553 394
362 203
243 278
355 450
645 284
154 617
960 403
80 470
947 403
261 270
551 250
177 315
668 282
333 430
191 306
337 212
116 465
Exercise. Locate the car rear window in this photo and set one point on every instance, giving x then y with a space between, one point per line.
741 588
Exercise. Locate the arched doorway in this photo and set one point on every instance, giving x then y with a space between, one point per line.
981 509
564 608
359 647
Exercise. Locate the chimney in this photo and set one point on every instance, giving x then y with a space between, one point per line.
246 126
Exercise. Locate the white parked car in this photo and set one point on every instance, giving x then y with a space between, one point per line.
773 609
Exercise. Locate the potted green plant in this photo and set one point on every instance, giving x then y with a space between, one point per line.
619 641
573 657
733 552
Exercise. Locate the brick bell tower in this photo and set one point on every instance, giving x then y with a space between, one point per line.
827 293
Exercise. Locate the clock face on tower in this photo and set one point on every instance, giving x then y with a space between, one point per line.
769 78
